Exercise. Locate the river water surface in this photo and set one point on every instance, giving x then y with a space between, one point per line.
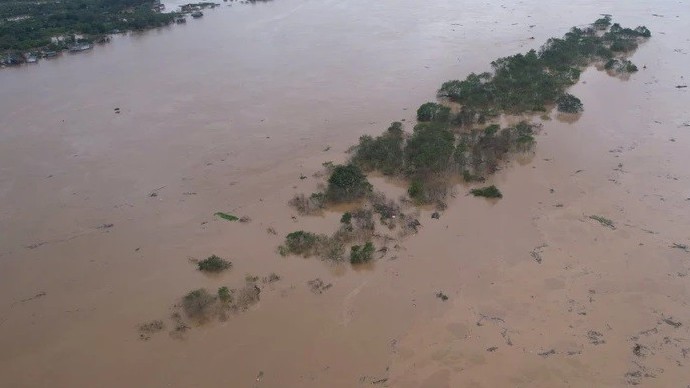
225 113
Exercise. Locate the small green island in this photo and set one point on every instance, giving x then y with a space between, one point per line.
30 30
459 138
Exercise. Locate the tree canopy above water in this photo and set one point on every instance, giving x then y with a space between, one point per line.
29 25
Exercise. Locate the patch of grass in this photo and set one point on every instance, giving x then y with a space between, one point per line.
226 216
362 253
487 192
214 264
603 221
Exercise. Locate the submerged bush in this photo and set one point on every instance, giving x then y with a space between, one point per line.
568 103
308 205
361 254
620 66
487 192
602 23
301 243
224 295
214 264
347 183
199 304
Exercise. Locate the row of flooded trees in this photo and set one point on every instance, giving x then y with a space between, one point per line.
459 138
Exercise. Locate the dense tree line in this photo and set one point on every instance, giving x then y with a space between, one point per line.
30 25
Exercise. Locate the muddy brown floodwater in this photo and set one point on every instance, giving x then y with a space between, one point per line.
226 112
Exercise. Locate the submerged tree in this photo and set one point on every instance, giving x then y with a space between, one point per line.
383 153
347 183
568 103
432 111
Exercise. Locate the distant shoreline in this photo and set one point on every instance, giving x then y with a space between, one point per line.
33 31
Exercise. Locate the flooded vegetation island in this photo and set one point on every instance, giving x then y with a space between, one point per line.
30 30
46 27
460 138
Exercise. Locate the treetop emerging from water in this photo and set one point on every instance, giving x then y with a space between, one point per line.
531 81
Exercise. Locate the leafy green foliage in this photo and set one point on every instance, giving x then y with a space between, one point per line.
301 243
226 216
214 264
29 25
383 153
309 244
487 192
224 294
432 111
531 81
416 191
620 66
362 253
568 103
347 183
346 218
602 23
429 149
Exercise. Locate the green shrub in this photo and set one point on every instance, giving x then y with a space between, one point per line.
416 190
620 66
214 264
487 192
347 183
224 295
346 218
361 254
301 243
602 23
